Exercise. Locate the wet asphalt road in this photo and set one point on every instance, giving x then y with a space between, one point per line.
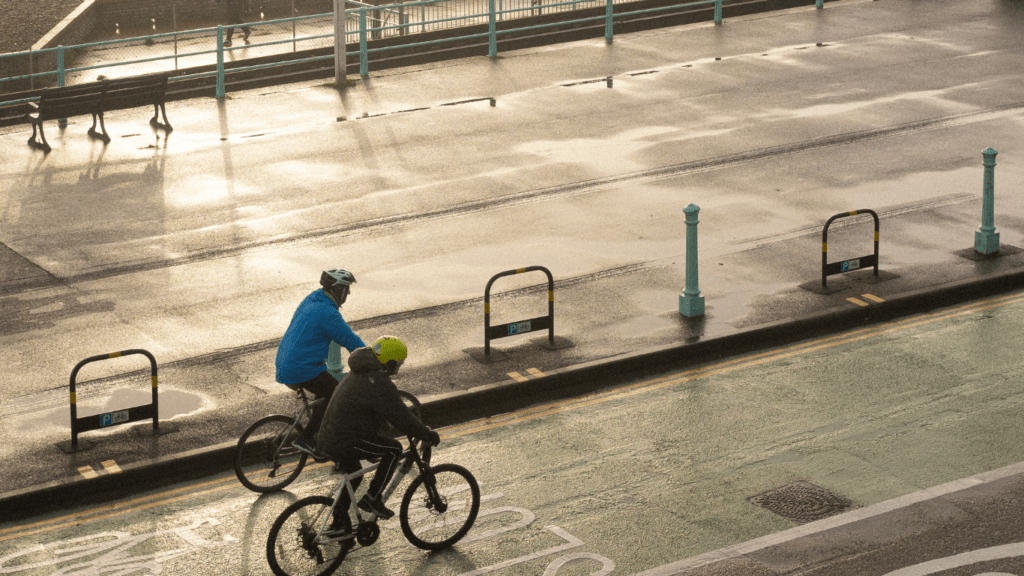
197 247
663 476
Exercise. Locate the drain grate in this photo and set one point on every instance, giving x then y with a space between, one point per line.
802 502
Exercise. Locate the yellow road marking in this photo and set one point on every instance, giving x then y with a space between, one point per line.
857 302
724 367
517 377
873 297
112 467
178 494
88 472
535 373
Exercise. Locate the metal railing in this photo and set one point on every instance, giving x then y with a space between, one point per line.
207 46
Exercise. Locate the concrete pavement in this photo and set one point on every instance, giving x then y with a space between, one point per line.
621 321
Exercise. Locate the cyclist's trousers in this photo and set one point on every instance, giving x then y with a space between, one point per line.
322 387
371 448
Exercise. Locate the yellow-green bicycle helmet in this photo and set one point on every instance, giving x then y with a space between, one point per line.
391 352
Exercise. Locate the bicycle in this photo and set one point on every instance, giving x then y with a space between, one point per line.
437 510
266 461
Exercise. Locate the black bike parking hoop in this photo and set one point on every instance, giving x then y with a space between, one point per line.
522 326
846 265
98 421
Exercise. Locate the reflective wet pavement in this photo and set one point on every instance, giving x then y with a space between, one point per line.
677 473
198 246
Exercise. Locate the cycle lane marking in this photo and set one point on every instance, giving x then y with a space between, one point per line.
112 551
98 514
528 517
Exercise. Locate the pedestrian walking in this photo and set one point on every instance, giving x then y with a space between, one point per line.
236 14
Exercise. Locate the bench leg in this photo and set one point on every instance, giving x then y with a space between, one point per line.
102 134
41 145
155 120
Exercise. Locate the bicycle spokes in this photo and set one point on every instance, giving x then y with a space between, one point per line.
264 458
300 542
440 506
434 501
307 541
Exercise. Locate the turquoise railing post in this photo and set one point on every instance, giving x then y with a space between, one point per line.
820 3
608 19
691 303
492 30
364 64
60 65
340 47
718 11
63 122
221 92
986 239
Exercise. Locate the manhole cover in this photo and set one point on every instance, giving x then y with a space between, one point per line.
802 502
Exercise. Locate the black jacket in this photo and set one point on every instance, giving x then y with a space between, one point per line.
364 399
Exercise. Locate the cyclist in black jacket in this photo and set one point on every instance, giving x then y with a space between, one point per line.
365 399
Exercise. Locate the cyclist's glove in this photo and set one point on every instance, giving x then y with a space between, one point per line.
433 437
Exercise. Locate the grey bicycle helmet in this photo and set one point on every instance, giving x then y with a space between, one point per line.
337 283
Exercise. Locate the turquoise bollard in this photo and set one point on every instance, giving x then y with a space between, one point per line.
986 239
691 303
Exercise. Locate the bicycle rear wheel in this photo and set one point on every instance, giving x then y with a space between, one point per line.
413 404
265 459
293 548
440 507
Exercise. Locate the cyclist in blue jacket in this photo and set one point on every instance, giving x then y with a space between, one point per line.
302 353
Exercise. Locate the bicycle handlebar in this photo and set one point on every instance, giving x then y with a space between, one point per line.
421 448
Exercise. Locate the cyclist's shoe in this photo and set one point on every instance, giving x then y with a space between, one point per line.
337 529
304 446
375 506
227 43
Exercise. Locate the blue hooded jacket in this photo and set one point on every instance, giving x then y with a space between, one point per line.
302 353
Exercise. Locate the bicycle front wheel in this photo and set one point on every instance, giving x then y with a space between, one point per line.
440 507
293 548
265 459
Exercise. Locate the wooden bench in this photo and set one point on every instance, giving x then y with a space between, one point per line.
13 114
96 98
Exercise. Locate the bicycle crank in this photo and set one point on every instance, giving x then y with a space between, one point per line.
367 533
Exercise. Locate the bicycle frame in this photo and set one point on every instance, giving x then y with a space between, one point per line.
409 458
306 408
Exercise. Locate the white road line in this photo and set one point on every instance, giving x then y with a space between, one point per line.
743 548
960 560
